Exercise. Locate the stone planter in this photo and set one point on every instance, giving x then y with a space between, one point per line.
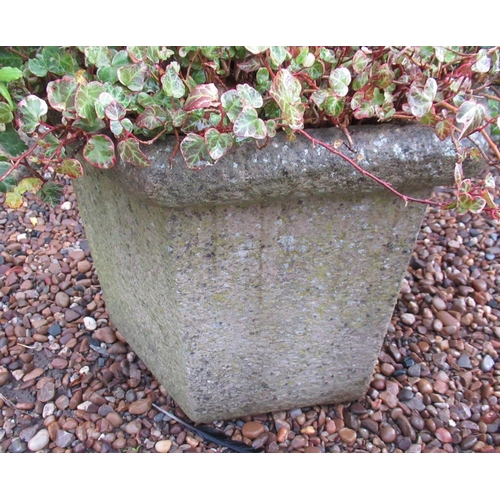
267 281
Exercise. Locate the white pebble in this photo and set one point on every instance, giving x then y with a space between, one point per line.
66 205
90 323
48 409
21 237
39 441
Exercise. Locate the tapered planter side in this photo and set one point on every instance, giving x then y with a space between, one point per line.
268 280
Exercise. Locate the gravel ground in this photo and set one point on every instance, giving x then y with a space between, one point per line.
70 383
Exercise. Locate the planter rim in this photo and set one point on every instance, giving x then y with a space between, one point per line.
409 156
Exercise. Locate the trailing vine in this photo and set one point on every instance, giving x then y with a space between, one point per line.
111 101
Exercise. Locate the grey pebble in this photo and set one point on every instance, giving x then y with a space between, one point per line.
487 363
17 446
464 361
415 370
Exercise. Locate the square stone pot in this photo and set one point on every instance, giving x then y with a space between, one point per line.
268 280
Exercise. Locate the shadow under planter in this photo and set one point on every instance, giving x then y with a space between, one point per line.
268 280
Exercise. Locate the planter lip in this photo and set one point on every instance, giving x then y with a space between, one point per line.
409 156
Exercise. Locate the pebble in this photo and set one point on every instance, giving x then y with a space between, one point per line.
388 434
140 406
90 323
163 446
105 334
252 429
487 363
39 441
347 435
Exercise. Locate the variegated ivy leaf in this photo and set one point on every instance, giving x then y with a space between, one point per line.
471 115
232 104
85 99
171 82
116 128
30 112
61 93
339 79
114 111
360 61
70 167
443 128
278 55
218 144
467 203
248 124
195 152
202 96
286 91
420 98
334 106
99 151
132 76
249 95
271 128
98 56
489 181
130 151
483 62
256 49
152 117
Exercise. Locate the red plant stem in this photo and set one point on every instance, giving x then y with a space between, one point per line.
364 172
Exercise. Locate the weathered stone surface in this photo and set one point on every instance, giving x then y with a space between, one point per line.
276 293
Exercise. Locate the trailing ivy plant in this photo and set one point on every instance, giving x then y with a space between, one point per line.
108 102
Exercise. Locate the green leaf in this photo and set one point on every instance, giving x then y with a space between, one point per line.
13 200
249 95
339 79
132 76
99 151
8 58
86 97
70 167
51 193
172 83
116 128
4 92
9 182
30 111
202 96
11 143
8 74
262 76
6 115
471 114
217 144
130 151
195 152
420 98
152 117
59 61
286 91
29 184
248 124
232 104
365 110
61 93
